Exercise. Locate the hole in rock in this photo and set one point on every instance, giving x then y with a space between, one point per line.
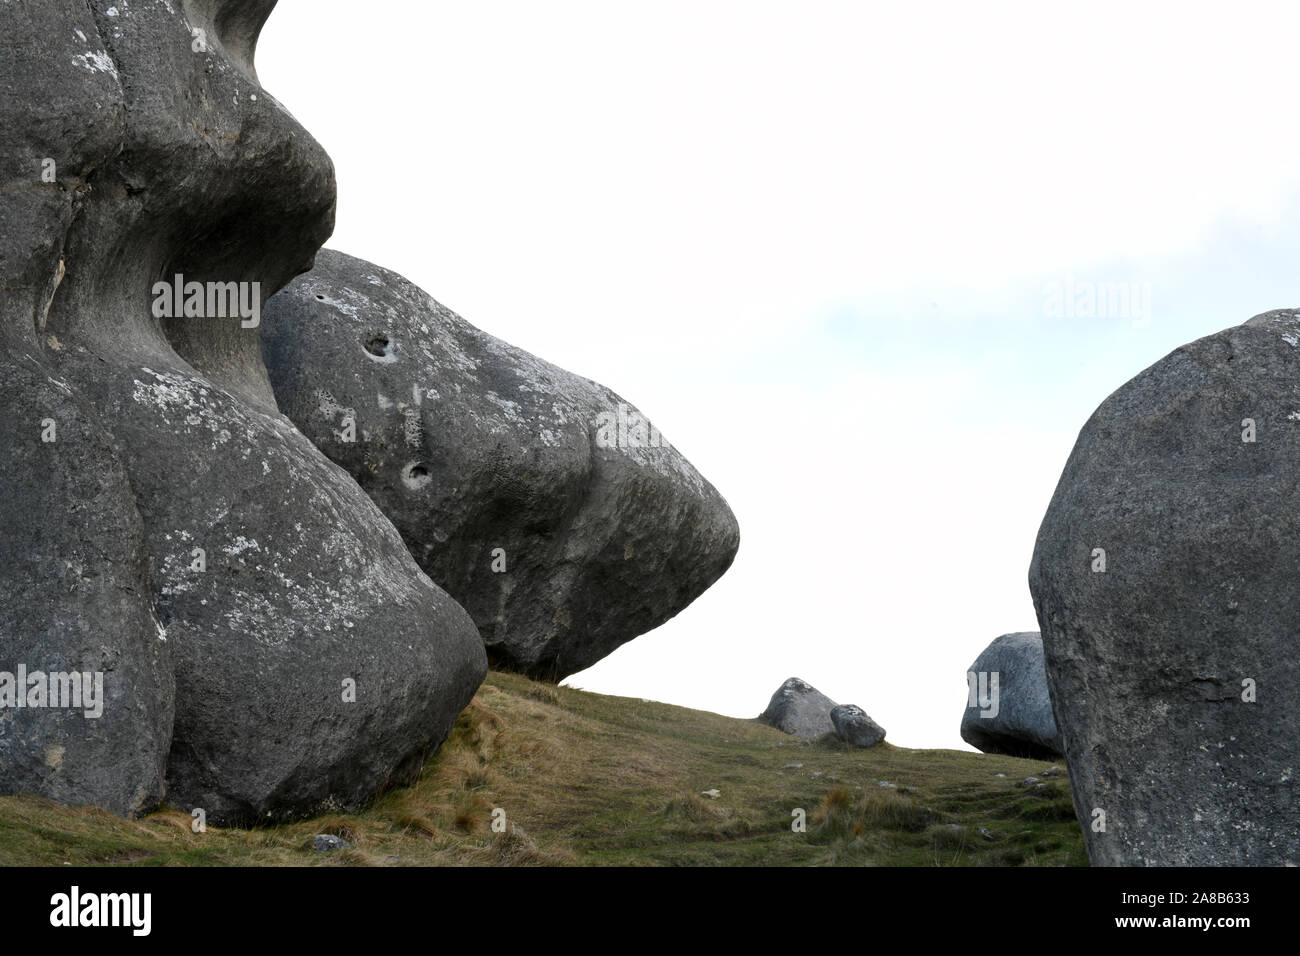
416 475
379 345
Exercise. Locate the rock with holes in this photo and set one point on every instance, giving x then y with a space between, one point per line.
1164 578
800 709
540 500
853 726
1008 707
313 662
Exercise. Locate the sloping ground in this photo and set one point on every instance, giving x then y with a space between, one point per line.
583 778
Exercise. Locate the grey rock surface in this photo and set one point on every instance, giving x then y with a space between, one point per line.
1019 722
540 500
800 709
1175 671
170 159
853 726
75 603
327 842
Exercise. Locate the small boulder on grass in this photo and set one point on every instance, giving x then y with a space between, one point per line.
852 725
799 709
326 842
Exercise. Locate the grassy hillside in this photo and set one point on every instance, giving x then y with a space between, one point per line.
588 779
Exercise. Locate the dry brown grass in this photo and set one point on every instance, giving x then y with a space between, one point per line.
576 777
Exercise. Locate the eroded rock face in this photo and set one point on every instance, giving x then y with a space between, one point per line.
1010 709
1165 583
800 709
313 662
540 500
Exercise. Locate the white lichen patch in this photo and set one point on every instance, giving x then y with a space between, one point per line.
240 545
96 61
174 394
509 409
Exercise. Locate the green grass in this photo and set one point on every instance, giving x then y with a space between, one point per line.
589 779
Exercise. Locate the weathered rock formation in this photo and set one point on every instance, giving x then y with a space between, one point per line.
1165 581
1008 707
178 530
540 500
800 709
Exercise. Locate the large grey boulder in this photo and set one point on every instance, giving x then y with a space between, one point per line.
540 500
854 726
800 709
74 596
1008 707
1166 583
314 663
78 637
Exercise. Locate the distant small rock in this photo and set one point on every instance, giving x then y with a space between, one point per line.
852 725
325 842
792 766
799 709
886 783
1009 710
711 794
1029 781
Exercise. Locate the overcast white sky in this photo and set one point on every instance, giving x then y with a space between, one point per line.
816 242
